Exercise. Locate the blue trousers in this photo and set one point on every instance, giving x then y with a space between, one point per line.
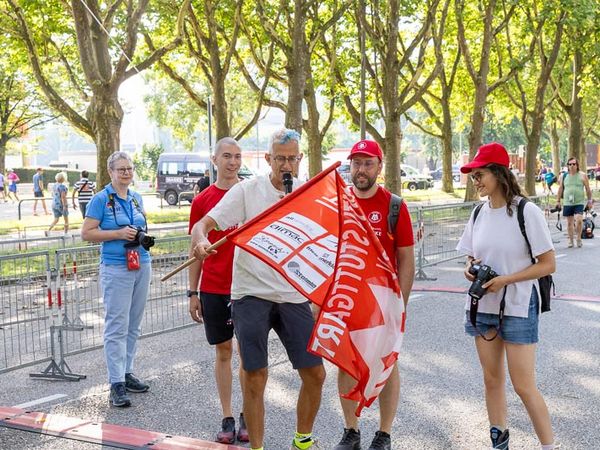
125 293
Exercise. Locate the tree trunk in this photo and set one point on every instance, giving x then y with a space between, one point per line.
447 178
311 126
3 141
393 139
105 116
296 69
219 108
555 144
476 133
575 112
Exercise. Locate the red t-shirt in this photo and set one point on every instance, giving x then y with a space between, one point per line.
376 209
216 269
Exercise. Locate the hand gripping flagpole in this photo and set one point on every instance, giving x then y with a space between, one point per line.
192 260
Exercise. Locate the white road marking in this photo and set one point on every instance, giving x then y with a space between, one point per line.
39 401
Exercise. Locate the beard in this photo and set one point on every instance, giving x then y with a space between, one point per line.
363 182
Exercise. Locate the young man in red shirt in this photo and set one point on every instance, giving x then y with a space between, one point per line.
210 285
365 165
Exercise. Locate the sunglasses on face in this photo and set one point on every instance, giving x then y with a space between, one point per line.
476 177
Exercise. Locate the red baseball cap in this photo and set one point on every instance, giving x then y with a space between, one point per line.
492 153
367 148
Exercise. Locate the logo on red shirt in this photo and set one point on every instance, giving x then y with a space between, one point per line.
374 217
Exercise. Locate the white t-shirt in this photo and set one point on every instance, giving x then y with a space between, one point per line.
497 241
251 276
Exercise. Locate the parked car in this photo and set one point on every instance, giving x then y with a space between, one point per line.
437 173
412 179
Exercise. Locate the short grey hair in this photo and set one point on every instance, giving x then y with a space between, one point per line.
226 141
60 177
283 136
114 157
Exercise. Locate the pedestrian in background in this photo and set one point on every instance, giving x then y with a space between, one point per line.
113 218
2 186
38 190
13 179
507 315
60 207
84 189
572 191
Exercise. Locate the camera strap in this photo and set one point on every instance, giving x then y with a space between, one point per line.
134 202
473 315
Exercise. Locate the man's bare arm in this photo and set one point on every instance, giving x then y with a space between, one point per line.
405 257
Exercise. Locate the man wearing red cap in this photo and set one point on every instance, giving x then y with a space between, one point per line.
365 165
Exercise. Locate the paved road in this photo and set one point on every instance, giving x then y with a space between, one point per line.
442 405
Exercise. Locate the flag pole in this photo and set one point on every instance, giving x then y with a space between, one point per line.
192 260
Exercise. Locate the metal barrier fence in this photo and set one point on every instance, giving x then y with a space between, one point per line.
57 291
42 296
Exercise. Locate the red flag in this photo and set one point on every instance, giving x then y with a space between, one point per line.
319 239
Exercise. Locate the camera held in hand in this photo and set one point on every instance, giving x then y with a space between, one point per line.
143 239
482 274
557 208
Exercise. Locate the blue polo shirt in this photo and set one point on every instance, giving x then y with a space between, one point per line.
124 213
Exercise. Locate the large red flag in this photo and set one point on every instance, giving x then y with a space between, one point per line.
319 239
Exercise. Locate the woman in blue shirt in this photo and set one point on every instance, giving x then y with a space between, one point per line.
113 218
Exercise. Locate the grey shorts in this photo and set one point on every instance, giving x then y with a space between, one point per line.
254 317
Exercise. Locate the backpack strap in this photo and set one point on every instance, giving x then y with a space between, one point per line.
476 212
394 212
521 220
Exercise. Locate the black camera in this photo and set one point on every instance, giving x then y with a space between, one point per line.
482 274
143 239
557 208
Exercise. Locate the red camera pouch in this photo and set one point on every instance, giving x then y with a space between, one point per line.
133 259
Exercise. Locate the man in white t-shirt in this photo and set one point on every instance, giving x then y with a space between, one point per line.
263 300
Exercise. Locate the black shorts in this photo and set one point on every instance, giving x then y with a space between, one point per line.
216 311
38 194
253 319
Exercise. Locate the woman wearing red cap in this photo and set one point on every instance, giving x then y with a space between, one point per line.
505 315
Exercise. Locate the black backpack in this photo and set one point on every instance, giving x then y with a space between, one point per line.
546 283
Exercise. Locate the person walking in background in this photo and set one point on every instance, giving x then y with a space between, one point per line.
202 183
13 179
60 206
113 217
210 286
38 190
365 166
572 190
2 187
262 300
84 189
505 323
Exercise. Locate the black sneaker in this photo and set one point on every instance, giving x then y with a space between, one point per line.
134 384
227 433
499 438
381 441
118 395
242 434
350 440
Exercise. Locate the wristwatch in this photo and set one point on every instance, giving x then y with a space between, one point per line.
190 293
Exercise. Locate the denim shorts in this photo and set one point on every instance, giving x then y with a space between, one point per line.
572 210
515 330
60 212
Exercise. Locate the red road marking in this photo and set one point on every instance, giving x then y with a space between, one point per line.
99 432
463 290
